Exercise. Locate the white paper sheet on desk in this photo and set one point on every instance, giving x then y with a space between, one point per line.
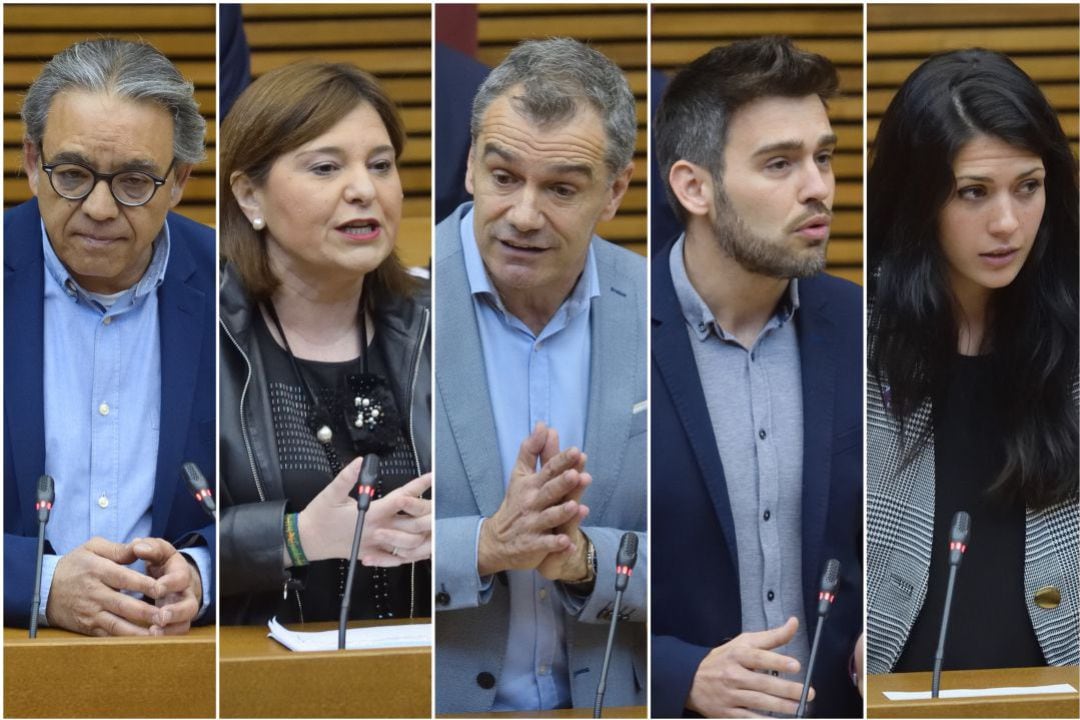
986 692
369 638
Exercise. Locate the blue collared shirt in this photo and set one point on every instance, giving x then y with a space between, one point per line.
533 377
102 398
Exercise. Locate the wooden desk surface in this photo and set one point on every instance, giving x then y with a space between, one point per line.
63 674
636 711
1063 705
262 678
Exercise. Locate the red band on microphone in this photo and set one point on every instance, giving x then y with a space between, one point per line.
831 597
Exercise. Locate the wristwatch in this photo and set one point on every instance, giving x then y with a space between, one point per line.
590 564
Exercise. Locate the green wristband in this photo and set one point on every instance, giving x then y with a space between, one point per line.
292 540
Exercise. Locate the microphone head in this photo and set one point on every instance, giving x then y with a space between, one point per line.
198 486
830 580
959 534
46 494
369 473
625 560
628 550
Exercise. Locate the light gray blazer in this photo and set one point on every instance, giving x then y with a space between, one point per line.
470 631
900 528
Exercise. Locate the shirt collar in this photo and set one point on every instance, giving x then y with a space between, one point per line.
148 283
697 313
480 286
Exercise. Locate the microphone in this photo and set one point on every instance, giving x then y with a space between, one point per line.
624 568
365 491
46 493
199 488
830 579
958 542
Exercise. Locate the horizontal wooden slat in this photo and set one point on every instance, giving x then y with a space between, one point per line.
339 32
109 18
378 61
924 41
974 14
672 52
256 11
624 226
595 27
845 251
753 22
1047 68
174 45
854 275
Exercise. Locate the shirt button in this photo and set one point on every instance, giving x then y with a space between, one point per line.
69 287
761 433
770 595
543 593
103 408
543 670
103 502
767 515
107 320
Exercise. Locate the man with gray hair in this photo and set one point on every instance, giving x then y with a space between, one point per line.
543 329
109 349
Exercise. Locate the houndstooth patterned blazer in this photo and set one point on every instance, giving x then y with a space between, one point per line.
900 528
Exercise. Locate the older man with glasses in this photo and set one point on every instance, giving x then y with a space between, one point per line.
109 349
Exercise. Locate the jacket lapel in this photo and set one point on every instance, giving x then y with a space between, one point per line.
674 359
24 322
180 308
615 331
461 378
815 330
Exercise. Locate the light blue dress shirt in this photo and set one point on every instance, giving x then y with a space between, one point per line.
102 397
532 378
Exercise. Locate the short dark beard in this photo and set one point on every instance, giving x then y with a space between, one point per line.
759 254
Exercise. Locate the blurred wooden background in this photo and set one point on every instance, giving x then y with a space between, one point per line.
392 42
1042 39
184 33
682 33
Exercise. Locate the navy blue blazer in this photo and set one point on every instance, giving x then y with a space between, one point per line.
695 579
188 363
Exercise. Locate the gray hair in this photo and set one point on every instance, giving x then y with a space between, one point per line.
133 70
556 75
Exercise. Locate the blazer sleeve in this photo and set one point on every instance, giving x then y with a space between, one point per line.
674 664
253 547
459 585
597 607
19 556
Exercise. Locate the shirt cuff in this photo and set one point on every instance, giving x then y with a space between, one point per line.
200 555
48 567
486 581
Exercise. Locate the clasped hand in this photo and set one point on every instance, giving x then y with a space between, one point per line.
397 528
537 526
87 595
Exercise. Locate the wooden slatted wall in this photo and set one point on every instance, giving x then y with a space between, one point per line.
393 42
681 33
184 33
619 32
1042 39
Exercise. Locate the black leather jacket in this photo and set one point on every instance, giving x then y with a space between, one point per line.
253 503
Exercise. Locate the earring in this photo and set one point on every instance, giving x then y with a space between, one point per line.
258 224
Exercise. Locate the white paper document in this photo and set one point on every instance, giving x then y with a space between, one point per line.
370 638
986 692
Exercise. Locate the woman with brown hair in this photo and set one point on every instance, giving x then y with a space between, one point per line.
325 355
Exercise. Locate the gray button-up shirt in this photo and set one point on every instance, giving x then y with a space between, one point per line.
754 396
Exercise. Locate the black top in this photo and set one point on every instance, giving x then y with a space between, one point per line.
306 470
989 624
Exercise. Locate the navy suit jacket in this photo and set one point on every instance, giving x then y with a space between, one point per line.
188 431
695 587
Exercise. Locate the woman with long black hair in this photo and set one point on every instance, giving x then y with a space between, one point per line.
972 370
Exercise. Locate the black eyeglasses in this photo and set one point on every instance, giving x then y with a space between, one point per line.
74 181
